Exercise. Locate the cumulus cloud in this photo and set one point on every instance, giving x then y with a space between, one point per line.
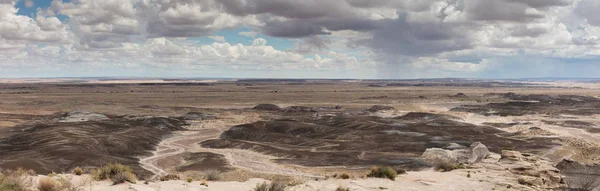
413 37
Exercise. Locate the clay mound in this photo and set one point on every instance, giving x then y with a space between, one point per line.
267 107
60 147
422 116
198 116
537 104
362 140
377 108
580 176
295 109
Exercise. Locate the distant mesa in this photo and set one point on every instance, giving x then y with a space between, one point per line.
267 107
376 108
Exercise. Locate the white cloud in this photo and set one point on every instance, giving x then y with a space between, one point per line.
217 38
248 34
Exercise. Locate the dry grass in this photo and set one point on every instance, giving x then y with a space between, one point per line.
48 184
212 175
78 171
118 173
170 177
275 185
383 172
447 167
16 180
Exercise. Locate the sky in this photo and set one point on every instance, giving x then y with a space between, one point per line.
369 39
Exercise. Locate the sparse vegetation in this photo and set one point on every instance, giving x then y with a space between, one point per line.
203 183
14 180
170 177
78 171
118 173
189 180
213 175
345 176
447 167
48 184
400 171
342 189
383 172
276 185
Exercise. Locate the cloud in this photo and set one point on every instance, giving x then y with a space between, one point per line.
248 34
314 44
29 3
22 29
402 38
217 38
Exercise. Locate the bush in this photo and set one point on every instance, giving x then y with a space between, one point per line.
213 175
189 180
342 189
118 173
203 183
170 177
276 185
400 171
344 176
77 171
15 180
447 167
383 172
48 184
123 177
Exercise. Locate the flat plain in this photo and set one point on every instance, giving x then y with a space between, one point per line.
303 130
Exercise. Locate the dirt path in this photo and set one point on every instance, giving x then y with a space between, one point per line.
187 141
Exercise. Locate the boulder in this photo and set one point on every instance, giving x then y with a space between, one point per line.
514 155
456 154
478 152
437 155
580 176
454 146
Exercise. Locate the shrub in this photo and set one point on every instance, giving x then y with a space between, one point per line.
170 177
203 183
48 184
400 171
276 185
342 189
77 171
383 172
118 173
189 180
344 176
447 167
15 180
212 175
123 177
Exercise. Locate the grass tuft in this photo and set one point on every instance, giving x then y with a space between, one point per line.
48 184
116 172
383 172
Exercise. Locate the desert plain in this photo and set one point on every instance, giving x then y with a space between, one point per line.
228 134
